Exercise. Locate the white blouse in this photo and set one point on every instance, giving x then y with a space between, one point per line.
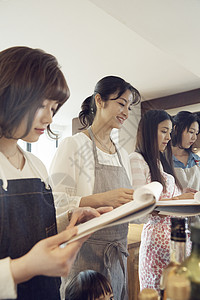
72 170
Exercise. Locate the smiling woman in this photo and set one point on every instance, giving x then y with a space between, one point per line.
94 171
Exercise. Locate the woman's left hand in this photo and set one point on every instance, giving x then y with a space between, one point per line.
189 190
83 214
184 196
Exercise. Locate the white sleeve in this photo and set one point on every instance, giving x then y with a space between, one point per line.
140 176
126 162
64 174
7 285
139 169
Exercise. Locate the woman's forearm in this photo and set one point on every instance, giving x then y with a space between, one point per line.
95 201
20 269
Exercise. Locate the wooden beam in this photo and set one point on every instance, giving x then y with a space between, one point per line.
172 101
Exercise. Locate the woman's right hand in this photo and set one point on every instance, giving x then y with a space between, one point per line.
47 257
114 198
84 214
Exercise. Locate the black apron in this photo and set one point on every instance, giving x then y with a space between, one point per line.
27 215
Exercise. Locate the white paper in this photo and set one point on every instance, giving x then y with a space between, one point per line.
144 203
186 207
185 202
197 196
150 191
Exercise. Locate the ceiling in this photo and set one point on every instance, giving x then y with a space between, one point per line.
153 44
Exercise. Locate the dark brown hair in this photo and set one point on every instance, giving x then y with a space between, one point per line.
87 285
147 145
183 120
27 77
105 87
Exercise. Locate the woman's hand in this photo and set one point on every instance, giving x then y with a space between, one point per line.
47 258
83 214
189 190
184 196
118 197
114 198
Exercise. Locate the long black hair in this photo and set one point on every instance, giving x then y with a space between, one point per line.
147 145
27 77
105 87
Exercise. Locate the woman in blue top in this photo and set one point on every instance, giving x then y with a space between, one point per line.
186 162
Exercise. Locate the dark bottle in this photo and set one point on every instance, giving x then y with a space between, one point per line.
191 266
177 252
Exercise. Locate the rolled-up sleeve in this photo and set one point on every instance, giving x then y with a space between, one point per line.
7 284
140 176
63 180
140 170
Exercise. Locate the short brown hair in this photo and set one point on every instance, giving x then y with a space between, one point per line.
27 77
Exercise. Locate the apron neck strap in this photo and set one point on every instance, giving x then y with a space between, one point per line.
95 150
93 144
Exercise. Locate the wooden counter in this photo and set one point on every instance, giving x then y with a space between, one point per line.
134 238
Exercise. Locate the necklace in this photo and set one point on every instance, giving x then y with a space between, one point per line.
10 156
17 165
108 149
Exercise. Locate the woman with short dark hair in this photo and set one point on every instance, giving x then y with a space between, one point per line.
186 161
89 285
32 89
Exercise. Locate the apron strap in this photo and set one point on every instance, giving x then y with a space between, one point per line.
95 150
121 249
93 145
3 177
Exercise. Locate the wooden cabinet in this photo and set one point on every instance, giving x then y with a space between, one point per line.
134 238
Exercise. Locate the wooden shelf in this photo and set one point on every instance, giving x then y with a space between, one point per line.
134 238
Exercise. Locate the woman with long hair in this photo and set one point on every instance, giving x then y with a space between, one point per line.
99 173
152 161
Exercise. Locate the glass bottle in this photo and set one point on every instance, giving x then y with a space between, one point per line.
148 294
178 287
191 266
177 252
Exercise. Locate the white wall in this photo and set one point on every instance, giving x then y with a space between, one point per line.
88 43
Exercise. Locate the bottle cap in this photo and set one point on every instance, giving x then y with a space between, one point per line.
178 287
178 229
195 233
148 294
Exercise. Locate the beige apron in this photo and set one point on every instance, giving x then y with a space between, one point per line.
106 250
